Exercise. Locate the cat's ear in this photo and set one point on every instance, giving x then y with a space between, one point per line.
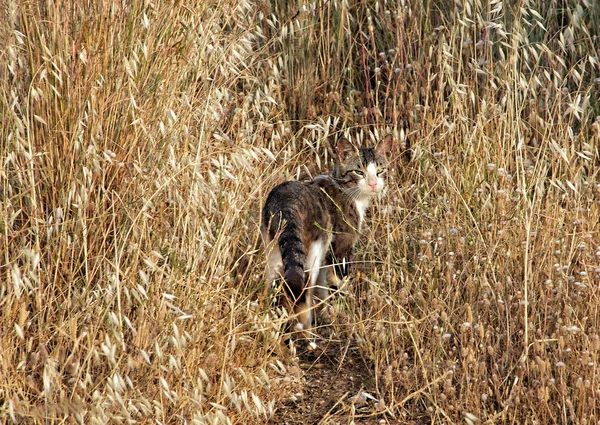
344 148
385 146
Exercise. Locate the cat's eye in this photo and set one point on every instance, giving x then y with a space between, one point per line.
358 172
380 171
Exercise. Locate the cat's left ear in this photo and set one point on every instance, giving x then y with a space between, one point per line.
385 146
344 149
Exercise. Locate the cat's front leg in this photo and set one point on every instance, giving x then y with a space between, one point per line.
343 253
337 265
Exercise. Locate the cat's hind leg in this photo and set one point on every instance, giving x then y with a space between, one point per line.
304 303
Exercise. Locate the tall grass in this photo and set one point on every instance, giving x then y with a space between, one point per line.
139 141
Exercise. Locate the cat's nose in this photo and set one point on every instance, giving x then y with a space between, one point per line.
373 185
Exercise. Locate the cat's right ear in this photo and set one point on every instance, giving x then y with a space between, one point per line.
385 146
344 148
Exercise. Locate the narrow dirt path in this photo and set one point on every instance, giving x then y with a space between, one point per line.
337 386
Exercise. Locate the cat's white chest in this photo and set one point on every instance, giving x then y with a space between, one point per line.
361 207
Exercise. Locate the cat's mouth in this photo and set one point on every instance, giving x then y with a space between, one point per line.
371 190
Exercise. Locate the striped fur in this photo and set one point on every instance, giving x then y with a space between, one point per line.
311 227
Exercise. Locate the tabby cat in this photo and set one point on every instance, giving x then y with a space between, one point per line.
310 229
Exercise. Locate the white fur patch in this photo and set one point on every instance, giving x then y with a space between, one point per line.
361 206
372 176
372 169
316 254
368 191
371 184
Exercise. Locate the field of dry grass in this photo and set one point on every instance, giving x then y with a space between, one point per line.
139 140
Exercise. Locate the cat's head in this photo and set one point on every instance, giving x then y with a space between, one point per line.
360 172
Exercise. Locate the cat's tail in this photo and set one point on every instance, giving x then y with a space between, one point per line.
286 230
293 258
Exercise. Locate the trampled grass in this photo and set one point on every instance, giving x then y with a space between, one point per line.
139 141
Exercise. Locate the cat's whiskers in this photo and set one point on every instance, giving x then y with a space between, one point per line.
353 193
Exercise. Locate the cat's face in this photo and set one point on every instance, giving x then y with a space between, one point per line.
361 172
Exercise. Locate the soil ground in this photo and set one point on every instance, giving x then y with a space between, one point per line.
336 387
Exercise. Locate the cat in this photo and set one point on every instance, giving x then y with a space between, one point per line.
310 229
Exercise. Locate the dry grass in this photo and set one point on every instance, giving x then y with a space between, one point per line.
139 141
